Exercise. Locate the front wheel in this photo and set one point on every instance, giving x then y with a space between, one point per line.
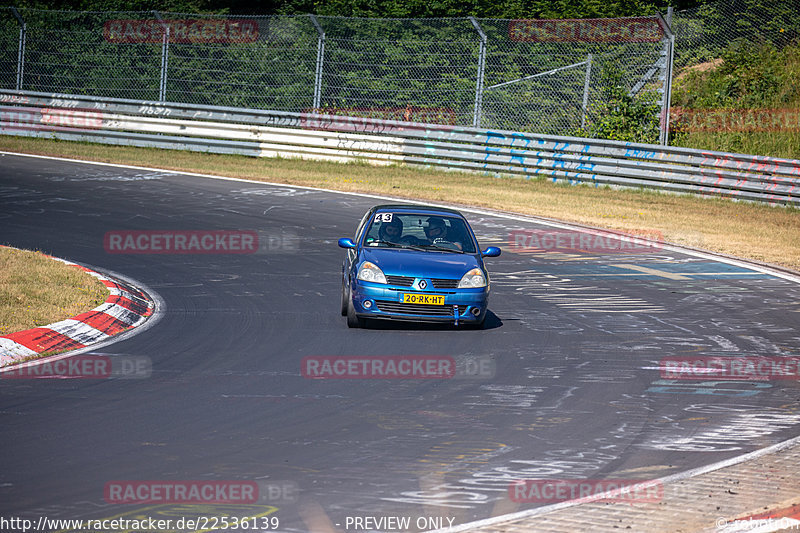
345 300
478 325
353 320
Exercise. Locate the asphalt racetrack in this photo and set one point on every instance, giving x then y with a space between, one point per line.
572 390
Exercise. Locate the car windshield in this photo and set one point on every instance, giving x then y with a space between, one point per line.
419 231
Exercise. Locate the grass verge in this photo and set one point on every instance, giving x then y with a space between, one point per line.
753 231
35 290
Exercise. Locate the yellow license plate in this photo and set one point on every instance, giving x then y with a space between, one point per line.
430 299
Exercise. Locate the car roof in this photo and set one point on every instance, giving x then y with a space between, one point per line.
414 208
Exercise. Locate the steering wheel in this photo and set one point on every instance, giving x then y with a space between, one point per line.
410 239
444 243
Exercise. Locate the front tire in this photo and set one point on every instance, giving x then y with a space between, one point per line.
478 325
353 320
345 300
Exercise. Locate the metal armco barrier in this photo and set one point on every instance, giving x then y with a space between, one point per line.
264 133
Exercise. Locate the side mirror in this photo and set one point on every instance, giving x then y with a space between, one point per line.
492 251
344 242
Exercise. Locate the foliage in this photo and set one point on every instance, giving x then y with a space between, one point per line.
704 33
372 8
183 6
749 75
620 116
477 8
750 80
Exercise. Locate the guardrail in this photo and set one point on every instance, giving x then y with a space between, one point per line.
264 133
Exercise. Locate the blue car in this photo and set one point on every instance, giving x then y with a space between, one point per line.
418 263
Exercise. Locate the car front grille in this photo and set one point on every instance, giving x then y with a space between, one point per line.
445 283
402 281
408 281
387 306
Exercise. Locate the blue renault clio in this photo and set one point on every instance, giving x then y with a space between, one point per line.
418 263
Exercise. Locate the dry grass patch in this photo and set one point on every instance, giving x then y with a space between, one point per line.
36 290
753 231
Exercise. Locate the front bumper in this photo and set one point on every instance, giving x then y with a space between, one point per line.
375 300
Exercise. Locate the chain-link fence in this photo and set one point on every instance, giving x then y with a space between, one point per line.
10 42
543 76
735 80
703 33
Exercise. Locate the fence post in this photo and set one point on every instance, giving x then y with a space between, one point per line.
671 65
23 32
586 89
162 88
320 63
476 114
666 99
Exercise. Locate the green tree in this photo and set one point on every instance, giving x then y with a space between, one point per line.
620 116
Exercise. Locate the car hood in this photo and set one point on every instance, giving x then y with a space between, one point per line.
399 262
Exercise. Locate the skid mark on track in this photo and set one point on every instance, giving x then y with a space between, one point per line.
735 428
566 294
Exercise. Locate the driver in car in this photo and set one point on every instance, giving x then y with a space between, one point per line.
391 231
436 230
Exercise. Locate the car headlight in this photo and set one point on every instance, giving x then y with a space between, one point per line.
370 272
472 279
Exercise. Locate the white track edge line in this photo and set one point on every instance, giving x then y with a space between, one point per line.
664 480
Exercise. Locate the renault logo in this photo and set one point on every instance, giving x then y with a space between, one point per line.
422 284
